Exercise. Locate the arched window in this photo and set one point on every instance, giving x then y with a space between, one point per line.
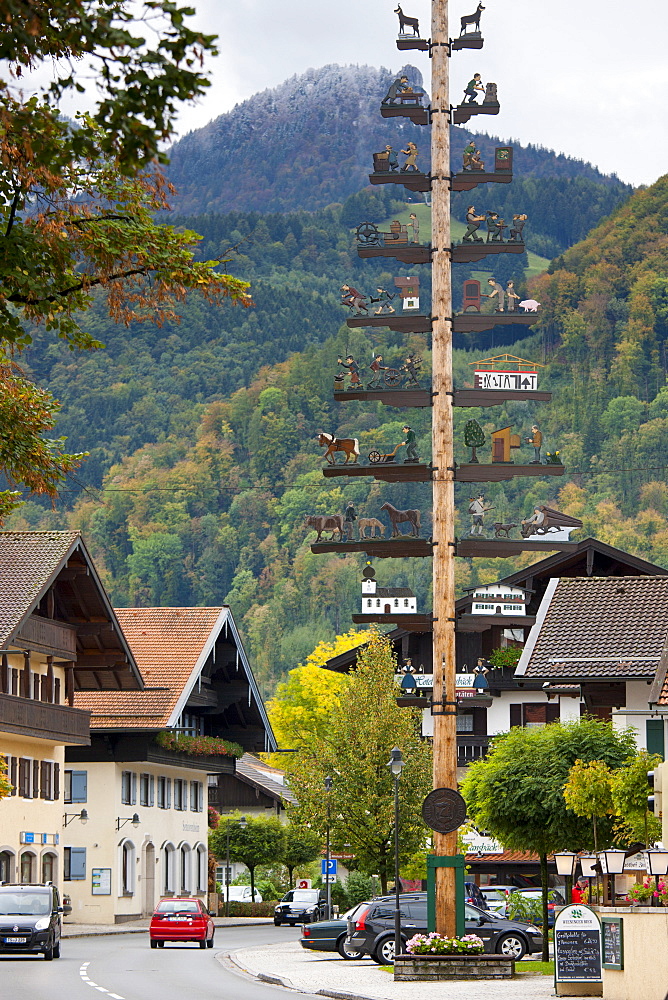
369 602
202 869
185 864
49 860
126 867
396 602
377 602
7 866
405 602
27 867
168 852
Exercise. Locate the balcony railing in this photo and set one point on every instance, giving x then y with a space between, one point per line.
38 719
47 636
470 748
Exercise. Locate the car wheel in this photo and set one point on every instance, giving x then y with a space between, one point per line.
48 952
202 944
154 944
384 953
511 946
277 922
56 950
345 951
161 944
209 943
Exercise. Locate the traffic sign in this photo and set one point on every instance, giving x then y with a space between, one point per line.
329 867
329 878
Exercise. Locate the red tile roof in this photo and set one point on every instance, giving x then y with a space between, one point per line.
506 857
167 644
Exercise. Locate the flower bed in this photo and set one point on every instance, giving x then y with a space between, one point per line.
199 746
433 957
438 944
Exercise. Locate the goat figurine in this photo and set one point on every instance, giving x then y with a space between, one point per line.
410 22
473 19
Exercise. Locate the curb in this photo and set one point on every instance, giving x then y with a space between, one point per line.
135 930
262 977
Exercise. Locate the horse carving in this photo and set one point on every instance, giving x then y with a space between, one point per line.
348 445
397 517
373 524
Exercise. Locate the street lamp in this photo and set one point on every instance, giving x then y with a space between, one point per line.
396 764
613 860
566 862
657 862
83 816
122 820
587 863
328 788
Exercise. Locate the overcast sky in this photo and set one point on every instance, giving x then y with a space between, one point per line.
585 78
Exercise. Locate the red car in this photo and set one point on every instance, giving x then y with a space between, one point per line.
177 919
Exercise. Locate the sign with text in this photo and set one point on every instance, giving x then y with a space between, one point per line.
329 867
100 881
577 945
613 942
421 681
506 380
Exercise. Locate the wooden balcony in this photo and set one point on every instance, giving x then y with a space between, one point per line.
470 748
42 721
42 635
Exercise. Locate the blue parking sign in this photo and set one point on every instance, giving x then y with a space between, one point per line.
328 867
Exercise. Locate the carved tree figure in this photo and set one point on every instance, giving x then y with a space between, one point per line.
474 437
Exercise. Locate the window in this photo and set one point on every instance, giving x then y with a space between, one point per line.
202 868
74 864
396 602
12 774
164 792
46 779
146 789
465 723
48 867
128 788
533 715
27 867
369 602
185 869
377 602
76 786
35 779
196 796
25 773
168 859
405 602
180 794
127 868
6 866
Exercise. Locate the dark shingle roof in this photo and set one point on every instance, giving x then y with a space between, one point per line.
599 628
29 560
393 592
258 776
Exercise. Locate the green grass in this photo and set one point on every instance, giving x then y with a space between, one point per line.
545 968
536 264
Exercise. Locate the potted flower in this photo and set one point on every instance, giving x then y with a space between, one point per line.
642 892
433 957
439 944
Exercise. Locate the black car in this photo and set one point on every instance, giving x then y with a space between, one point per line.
371 929
330 935
30 920
301 906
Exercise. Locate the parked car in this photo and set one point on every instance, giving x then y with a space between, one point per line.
475 896
240 894
177 919
554 898
301 906
330 935
496 897
30 919
371 930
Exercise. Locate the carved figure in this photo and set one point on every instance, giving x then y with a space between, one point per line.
350 446
415 226
471 19
476 162
354 300
473 88
477 510
376 457
349 518
490 94
512 296
552 458
376 367
474 437
373 524
411 447
498 292
529 305
536 440
398 86
411 157
547 519
411 368
408 22
503 529
467 156
384 299
353 371
519 221
495 227
473 222
398 517
325 522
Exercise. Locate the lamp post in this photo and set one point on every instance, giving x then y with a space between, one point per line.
657 862
566 862
396 764
328 788
242 824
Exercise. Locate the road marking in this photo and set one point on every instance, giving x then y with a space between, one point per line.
83 973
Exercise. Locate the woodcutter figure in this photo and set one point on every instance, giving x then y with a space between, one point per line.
397 517
333 444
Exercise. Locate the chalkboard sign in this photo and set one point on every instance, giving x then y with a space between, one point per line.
613 942
577 945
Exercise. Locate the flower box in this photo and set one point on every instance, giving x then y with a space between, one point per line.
434 968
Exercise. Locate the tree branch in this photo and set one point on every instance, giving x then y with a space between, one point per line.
12 213
28 300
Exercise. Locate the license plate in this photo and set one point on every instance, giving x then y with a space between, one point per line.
179 920
15 940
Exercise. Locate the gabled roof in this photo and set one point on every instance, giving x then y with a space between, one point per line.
172 647
598 628
34 563
250 770
393 592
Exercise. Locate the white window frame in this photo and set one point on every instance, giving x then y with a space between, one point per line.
127 863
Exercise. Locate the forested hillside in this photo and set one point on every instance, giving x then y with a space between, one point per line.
309 143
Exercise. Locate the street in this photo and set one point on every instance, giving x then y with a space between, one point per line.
123 967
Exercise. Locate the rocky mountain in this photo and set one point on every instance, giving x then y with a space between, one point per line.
309 142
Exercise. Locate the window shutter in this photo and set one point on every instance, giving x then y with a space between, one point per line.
13 766
168 792
44 780
654 736
151 789
35 779
133 789
56 781
515 715
79 786
552 714
77 864
24 770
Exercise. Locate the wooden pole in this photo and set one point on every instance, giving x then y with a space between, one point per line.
445 729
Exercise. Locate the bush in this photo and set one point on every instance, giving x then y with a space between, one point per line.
527 908
360 887
238 909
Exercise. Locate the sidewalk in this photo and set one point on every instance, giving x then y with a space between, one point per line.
326 974
141 926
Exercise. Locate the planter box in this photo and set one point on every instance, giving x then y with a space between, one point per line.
433 968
